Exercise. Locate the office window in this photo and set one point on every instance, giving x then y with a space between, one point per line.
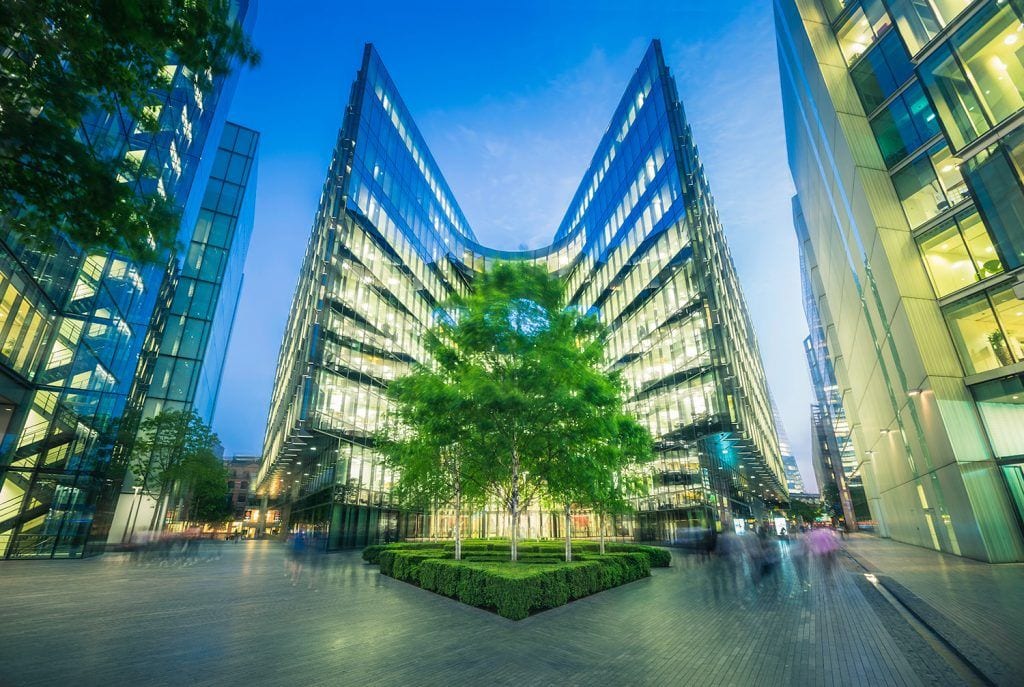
947 260
1001 405
919 21
833 8
987 329
861 29
959 253
919 190
882 70
995 184
979 243
976 335
904 125
990 85
947 169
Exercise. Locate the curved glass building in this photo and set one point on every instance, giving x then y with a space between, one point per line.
640 245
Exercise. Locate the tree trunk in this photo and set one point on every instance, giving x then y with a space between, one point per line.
568 535
156 511
600 524
514 503
515 530
458 522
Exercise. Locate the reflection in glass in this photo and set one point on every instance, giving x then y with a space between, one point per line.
1010 313
955 102
919 191
979 243
1001 404
997 191
976 335
920 20
904 125
882 70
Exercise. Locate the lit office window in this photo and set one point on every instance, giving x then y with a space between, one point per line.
976 335
959 253
859 31
989 86
947 260
947 168
979 243
987 330
920 20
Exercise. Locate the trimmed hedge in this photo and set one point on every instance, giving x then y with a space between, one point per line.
487 580
659 557
514 590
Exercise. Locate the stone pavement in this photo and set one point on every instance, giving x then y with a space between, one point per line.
976 607
238 620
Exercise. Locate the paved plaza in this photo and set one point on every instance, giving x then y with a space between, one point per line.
237 619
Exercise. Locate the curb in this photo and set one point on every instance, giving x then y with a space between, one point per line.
989 667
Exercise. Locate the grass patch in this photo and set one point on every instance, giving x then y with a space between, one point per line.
538 581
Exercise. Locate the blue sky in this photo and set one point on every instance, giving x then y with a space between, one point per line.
512 101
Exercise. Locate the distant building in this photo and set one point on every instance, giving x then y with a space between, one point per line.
249 512
794 480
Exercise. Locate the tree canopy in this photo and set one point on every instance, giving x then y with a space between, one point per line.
517 396
61 59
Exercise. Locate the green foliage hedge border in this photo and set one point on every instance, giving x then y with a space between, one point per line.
498 550
486 579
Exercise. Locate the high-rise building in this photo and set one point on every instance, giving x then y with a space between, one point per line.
73 325
903 122
836 469
640 245
794 480
183 356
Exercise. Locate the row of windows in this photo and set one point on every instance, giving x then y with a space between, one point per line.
976 78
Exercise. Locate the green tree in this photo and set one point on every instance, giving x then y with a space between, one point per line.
60 59
525 407
431 445
809 512
202 480
165 444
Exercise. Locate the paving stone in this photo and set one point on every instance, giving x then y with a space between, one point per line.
238 620
976 607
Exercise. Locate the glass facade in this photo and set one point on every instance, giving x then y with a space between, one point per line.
914 207
184 351
833 456
794 480
640 246
74 323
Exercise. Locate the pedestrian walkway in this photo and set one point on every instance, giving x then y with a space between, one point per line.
977 607
238 619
